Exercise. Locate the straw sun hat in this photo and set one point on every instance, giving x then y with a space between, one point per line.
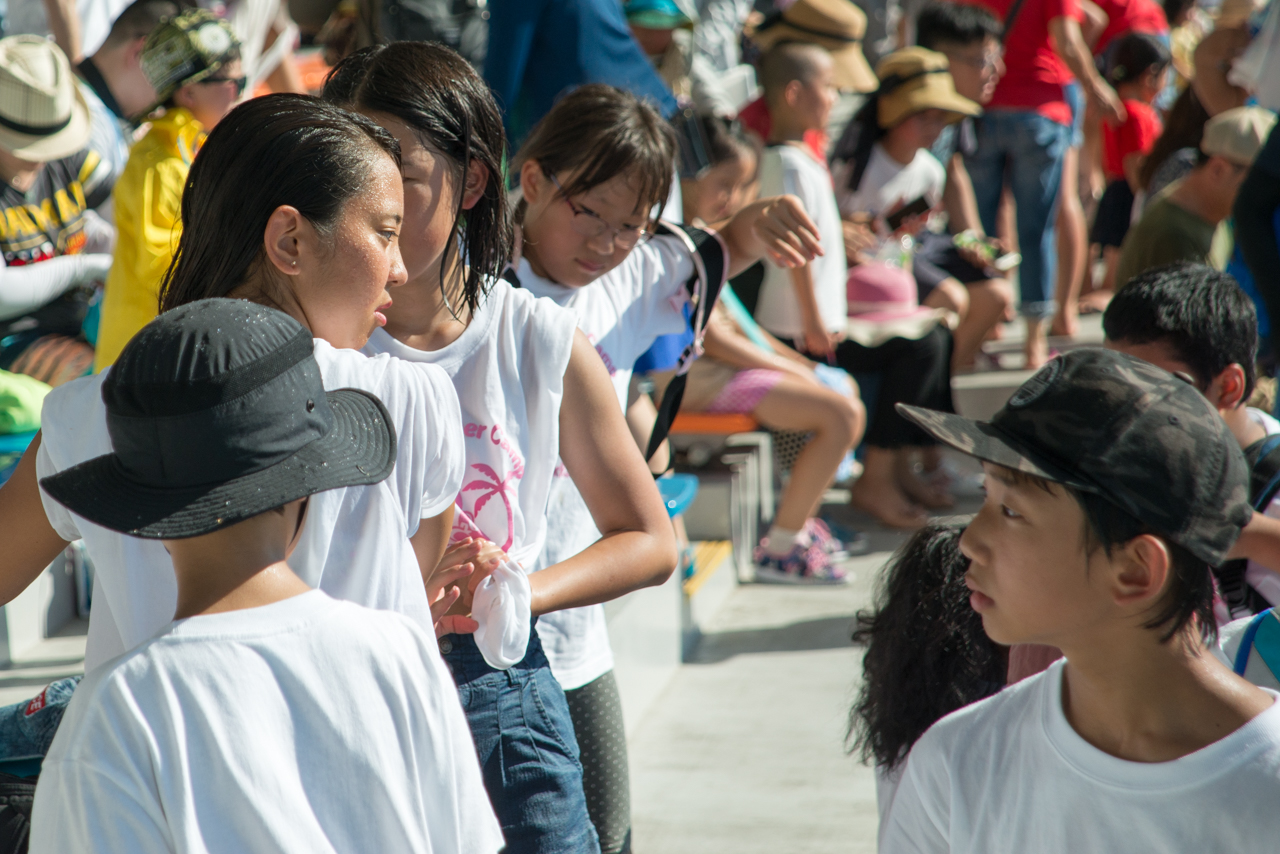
915 79
836 25
43 116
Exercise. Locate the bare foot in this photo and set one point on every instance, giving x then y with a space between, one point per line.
888 506
1037 353
1096 301
1066 323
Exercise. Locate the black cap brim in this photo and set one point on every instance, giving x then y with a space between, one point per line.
986 442
359 449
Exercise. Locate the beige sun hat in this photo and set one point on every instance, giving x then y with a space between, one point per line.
43 116
836 25
923 82
1238 134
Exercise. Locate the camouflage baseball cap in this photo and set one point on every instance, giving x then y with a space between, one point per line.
187 48
1119 427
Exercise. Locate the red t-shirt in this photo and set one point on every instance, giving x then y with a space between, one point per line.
1138 134
755 117
1125 16
1034 74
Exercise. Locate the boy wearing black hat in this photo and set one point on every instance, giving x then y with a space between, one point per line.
267 717
1112 486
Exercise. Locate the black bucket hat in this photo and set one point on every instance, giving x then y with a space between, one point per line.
217 413
1121 428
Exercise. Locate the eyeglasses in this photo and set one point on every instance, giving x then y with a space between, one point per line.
986 62
590 224
241 82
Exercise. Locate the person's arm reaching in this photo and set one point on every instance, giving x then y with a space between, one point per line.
64 26
30 541
1068 43
1095 21
817 341
778 228
1213 58
958 198
637 547
26 288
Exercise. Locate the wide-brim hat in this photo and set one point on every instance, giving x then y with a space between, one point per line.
43 115
218 415
916 79
882 305
835 25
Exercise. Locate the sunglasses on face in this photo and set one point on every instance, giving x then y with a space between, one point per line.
240 82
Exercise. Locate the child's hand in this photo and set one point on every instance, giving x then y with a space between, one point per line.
790 238
817 340
858 238
489 558
444 591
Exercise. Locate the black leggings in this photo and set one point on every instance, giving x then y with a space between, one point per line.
913 371
596 709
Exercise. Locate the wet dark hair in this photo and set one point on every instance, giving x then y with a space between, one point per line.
440 97
1183 128
1189 594
1198 311
270 151
599 133
954 24
927 654
1133 55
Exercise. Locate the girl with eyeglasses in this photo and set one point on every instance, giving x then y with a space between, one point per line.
193 62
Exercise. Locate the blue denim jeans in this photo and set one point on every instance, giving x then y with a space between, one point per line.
27 728
1028 149
528 753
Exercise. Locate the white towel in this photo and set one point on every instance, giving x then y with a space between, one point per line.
502 608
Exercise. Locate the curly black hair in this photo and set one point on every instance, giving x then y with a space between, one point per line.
927 654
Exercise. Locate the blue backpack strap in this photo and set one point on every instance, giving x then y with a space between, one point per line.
1264 465
1270 638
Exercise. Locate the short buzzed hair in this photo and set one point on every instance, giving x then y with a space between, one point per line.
140 18
959 24
789 61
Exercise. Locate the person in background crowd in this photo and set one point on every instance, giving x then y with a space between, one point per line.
720 26
1175 152
808 306
54 247
728 181
1097 536
1136 68
665 32
118 91
247 722
927 655
193 63
1184 223
1130 16
78 27
540 49
836 26
969 37
1023 136
1257 228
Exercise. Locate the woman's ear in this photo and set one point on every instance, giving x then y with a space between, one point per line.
1140 571
282 239
477 180
182 96
531 180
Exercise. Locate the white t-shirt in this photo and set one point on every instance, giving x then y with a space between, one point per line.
307 725
508 367
622 313
787 169
354 544
887 184
95 17
1009 774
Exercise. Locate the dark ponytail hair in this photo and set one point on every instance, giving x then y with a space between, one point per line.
927 654
438 94
268 152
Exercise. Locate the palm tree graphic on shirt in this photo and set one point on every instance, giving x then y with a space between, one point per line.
489 486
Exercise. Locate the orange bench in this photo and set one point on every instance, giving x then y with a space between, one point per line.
713 424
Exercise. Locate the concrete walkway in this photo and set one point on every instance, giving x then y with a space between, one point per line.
745 751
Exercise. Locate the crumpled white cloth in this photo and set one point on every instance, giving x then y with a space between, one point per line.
502 606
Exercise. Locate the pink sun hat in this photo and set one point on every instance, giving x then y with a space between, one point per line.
883 304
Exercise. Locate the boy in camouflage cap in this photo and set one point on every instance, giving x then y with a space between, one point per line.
191 48
1112 486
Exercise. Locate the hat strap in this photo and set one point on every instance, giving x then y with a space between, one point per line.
34 130
777 18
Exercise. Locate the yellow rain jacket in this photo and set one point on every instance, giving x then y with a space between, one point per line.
148 200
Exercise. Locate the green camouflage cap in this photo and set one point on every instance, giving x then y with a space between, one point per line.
1119 427
187 48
